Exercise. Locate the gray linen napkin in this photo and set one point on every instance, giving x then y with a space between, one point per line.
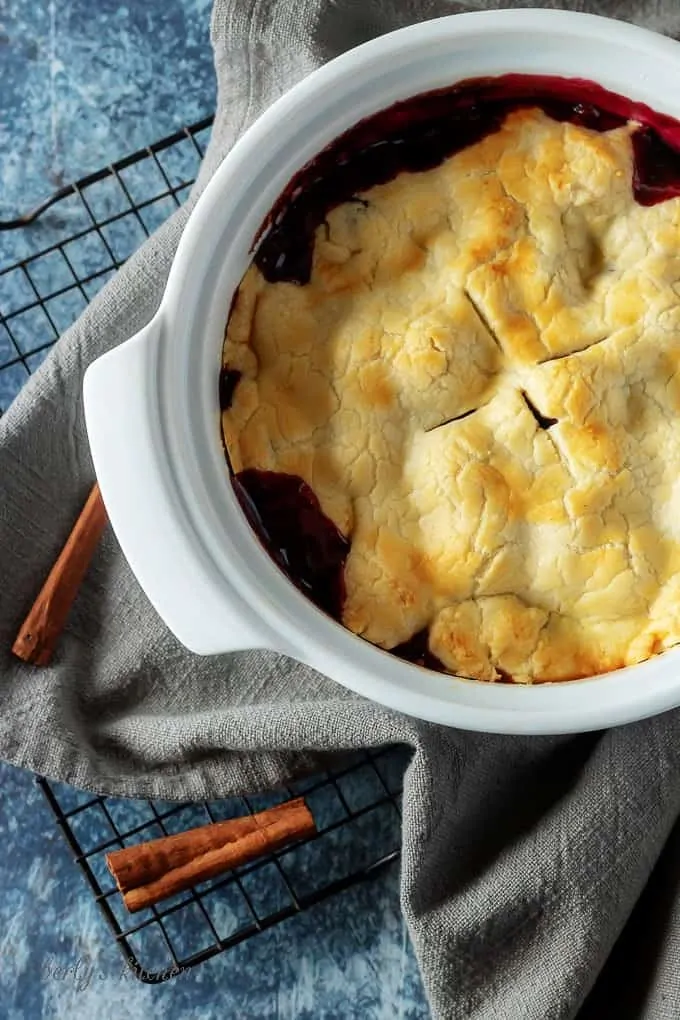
523 859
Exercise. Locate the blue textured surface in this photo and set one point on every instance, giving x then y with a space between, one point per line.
83 84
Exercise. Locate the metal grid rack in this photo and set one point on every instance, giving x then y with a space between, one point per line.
54 259
356 809
52 262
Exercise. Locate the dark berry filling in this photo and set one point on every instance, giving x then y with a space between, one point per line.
287 517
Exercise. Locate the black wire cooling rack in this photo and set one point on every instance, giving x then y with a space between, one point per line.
356 808
53 260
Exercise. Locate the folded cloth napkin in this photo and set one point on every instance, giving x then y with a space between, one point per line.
535 881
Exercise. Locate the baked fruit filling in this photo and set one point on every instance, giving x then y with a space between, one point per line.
451 389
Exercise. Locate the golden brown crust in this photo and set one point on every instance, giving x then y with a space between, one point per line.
520 268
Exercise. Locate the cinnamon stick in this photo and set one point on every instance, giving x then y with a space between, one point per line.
153 871
40 631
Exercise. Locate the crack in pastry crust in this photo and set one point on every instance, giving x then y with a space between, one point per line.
519 280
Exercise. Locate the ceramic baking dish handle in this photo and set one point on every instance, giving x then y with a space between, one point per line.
124 431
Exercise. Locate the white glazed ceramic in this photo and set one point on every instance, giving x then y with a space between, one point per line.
160 463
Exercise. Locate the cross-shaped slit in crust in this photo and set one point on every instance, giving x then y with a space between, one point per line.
456 417
484 320
570 354
542 420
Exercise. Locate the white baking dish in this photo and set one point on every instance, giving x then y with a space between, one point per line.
160 462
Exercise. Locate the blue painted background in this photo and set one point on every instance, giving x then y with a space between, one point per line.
85 81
